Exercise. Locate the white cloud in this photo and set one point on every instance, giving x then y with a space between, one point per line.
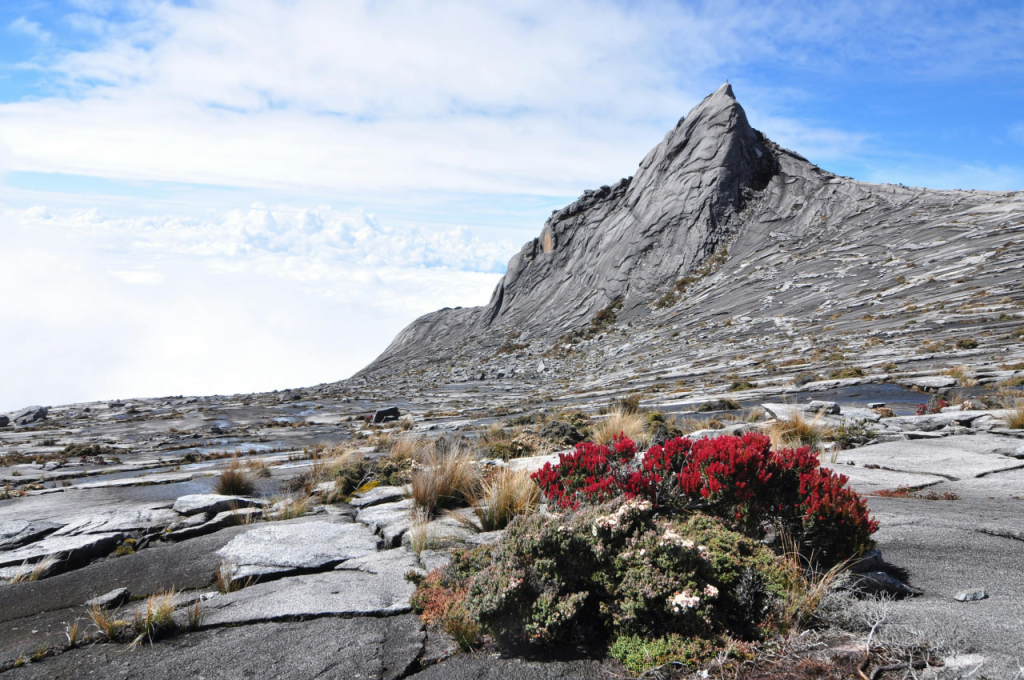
98 308
29 28
520 97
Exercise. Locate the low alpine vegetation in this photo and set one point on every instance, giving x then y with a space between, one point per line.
235 481
661 556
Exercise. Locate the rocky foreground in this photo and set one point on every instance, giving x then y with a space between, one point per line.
112 503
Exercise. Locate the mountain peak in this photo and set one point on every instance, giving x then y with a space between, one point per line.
618 244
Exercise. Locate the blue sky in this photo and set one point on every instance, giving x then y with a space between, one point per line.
371 161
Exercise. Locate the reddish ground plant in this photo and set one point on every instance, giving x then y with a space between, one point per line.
737 478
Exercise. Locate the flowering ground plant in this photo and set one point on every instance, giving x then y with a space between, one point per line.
737 478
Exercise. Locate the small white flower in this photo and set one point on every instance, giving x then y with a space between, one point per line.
684 600
710 591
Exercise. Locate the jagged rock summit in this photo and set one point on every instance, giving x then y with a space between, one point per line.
714 197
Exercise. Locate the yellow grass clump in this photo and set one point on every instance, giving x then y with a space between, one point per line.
632 425
445 479
505 495
796 431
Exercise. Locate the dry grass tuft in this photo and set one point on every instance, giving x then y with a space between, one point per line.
235 481
344 465
157 620
505 495
37 570
420 535
806 588
1014 417
963 374
71 632
632 425
447 478
405 448
796 431
225 579
288 507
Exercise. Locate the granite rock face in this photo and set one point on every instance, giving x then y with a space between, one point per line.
621 242
724 237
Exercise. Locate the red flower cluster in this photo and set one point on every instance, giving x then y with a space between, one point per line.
587 474
738 478
934 406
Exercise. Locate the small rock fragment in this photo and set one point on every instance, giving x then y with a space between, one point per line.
971 596
115 598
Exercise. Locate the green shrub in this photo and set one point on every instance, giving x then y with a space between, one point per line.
850 372
739 385
617 570
639 654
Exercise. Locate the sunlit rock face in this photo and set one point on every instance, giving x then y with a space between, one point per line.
719 224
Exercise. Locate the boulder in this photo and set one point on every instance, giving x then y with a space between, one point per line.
120 520
445 532
971 596
112 600
881 583
386 415
221 520
390 520
830 408
29 415
377 496
212 503
929 383
4 421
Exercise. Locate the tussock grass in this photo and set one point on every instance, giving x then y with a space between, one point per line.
71 632
35 571
505 495
963 374
806 588
796 431
689 425
154 621
290 508
405 448
157 619
344 465
1014 417
632 425
446 478
235 481
257 468
420 535
225 580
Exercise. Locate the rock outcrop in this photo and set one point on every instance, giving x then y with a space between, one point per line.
720 225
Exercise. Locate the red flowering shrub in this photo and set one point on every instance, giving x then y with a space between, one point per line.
589 474
835 518
933 406
739 479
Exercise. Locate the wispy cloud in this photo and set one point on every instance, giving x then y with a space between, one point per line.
29 28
